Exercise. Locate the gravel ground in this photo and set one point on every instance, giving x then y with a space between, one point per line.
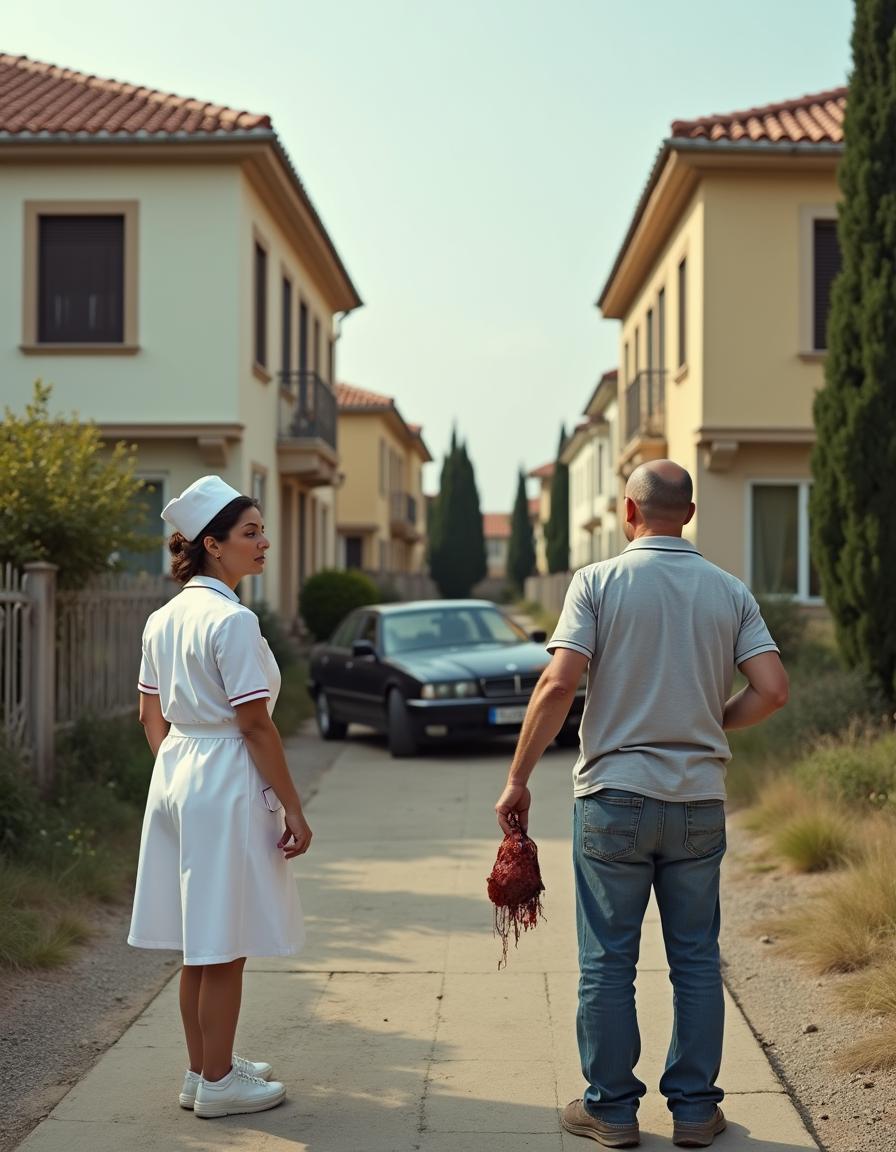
793 1012
55 1025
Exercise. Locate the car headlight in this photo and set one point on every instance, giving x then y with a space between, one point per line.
446 691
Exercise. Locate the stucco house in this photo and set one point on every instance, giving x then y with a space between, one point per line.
496 532
165 270
721 288
544 474
590 453
380 506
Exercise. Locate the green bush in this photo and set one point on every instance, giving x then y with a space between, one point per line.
329 596
18 800
110 754
786 622
275 633
816 841
861 769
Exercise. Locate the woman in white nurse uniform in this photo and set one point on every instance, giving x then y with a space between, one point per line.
223 818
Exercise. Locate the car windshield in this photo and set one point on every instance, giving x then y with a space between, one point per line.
448 628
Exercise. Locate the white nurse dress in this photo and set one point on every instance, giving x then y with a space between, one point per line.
211 881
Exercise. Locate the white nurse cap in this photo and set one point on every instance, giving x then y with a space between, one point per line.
198 505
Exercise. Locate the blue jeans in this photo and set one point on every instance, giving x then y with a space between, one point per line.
624 844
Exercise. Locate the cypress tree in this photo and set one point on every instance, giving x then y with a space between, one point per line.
457 544
853 522
521 549
557 528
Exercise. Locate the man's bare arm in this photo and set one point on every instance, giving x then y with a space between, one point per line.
548 708
767 690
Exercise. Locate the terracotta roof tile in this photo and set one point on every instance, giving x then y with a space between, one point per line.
543 472
348 396
496 525
814 119
37 97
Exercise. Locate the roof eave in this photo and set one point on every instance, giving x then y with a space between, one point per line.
692 151
238 138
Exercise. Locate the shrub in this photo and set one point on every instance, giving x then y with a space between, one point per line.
275 633
329 596
18 799
786 622
112 755
861 769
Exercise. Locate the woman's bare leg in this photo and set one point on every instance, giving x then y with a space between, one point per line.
190 983
220 995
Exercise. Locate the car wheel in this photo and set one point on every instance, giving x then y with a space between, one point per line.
401 734
568 736
328 728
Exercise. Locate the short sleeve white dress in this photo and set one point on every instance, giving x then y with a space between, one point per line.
211 881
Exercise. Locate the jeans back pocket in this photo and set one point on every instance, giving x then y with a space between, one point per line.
705 827
610 824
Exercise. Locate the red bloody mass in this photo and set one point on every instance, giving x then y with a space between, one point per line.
515 888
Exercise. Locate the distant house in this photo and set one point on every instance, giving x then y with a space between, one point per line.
544 475
496 530
589 453
721 287
380 507
165 270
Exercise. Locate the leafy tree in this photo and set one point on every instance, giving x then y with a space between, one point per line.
521 549
456 541
854 460
66 498
557 528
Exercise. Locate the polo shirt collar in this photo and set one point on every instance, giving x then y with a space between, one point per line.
214 585
663 544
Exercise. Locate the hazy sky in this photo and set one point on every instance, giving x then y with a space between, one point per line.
476 163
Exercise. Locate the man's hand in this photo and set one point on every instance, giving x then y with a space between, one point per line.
513 801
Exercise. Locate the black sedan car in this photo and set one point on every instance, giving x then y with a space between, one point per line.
430 671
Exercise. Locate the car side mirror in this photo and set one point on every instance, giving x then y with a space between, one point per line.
539 635
364 650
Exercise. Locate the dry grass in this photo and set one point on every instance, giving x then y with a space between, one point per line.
818 839
38 929
853 922
872 1053
873 990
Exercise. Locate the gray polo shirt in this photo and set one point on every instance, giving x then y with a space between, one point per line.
664 630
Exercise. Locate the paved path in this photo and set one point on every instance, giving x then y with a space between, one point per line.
393 1030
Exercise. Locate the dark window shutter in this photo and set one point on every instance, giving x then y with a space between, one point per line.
826 264
286 347
80 280
682 313
261 306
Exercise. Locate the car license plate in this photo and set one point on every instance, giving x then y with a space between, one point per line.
510 714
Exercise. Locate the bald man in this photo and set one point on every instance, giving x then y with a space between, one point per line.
661 631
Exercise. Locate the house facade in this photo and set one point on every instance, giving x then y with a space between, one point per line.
496 532
544 474
721 287
590 454
166 272
380 505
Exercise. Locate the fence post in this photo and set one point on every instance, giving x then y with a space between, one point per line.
40 584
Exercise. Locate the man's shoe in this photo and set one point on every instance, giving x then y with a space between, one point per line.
576 1119
698 1135
236 1094
187 1096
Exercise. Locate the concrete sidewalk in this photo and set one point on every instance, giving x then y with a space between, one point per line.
394 1031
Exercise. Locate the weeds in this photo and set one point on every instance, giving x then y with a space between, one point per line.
872 1053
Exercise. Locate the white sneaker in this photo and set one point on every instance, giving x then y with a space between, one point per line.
191 1079
237 1093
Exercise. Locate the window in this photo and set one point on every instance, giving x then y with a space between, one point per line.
825 266
682 313
286 332
354 551
303 337
346 632
661 329
146 521
80 280
600 469
316 346
649 334
625 358
780 563
331 361
383 466
261 306
637 351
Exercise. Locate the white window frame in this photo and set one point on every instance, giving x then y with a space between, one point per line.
803 485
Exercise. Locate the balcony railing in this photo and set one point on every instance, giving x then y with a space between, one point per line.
403 509
645 404
307 408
